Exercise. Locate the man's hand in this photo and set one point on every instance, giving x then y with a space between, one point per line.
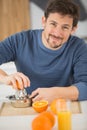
48 94
15 78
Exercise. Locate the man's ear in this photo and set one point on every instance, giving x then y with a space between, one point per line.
43 21
74 29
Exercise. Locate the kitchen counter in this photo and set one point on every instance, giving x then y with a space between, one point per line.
23 122
21 118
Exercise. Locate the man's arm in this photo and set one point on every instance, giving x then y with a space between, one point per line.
52 93
70 92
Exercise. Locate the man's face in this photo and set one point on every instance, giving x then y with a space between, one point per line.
57 29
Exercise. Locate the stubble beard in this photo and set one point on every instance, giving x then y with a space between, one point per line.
54 44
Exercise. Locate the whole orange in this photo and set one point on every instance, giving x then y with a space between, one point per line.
50 116
53 105
40 106
41 122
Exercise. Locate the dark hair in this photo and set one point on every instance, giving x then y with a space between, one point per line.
64 7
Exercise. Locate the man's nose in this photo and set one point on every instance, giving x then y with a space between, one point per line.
58 31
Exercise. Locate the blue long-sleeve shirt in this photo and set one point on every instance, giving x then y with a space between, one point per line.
45 67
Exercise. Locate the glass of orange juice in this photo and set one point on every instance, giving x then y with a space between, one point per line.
64 114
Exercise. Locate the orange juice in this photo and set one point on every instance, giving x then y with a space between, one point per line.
64 114
64 120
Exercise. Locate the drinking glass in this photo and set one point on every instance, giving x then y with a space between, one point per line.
64 114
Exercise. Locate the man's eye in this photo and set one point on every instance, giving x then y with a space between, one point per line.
65 28
53 24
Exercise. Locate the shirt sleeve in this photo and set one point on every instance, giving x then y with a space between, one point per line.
82 87
8 48
80 71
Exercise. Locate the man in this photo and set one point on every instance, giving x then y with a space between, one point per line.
52 61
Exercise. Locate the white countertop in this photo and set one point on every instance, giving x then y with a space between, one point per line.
79 122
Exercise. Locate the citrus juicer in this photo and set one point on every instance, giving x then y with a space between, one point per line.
20 99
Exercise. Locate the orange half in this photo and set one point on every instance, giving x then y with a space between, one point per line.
40 106
18 85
